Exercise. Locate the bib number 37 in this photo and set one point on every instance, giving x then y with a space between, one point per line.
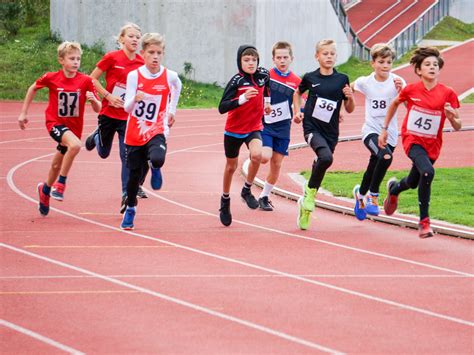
68 104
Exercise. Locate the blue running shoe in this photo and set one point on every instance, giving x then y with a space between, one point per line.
127 222
156 178
359 208
372 204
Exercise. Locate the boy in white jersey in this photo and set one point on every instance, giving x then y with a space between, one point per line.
151 98
379 88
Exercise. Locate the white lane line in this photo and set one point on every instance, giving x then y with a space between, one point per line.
40 337
12 185
178 301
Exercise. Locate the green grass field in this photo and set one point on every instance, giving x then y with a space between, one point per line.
469 99
452 194
451 29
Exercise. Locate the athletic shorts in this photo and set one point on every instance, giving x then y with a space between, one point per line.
279 145
107 128
232 144
137 156
57 133
316 140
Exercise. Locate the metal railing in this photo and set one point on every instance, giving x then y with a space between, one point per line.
405 39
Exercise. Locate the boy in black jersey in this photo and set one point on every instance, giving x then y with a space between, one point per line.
328 89
245 99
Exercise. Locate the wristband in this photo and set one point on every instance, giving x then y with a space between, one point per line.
385 127
106 94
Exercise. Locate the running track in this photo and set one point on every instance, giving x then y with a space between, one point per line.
182 283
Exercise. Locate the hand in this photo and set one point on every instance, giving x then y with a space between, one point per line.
171 120
268 108
398 84
383 139
114 101
250 93
298 117
139 96
449 111
348 92
90 96
22 121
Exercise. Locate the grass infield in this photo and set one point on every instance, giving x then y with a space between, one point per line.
452 192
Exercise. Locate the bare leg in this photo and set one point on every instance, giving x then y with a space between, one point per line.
255 148
230 168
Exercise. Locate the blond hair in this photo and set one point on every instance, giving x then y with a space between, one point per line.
324 42
123 30
382 50
152 38
282 45
67 47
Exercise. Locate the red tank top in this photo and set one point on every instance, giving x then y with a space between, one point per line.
149 116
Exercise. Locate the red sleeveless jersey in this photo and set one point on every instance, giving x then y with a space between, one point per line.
149 116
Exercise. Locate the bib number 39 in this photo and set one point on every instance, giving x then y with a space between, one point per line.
148 108
68 104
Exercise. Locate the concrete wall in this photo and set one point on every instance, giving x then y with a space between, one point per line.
462 10
206 33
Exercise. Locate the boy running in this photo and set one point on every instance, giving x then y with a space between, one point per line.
328 89
429 103
112 118
276 125
245 98
68 92
379 89
151 98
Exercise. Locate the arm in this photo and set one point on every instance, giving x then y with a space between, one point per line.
114 101
452 115
297 114
30 95
390 113
176 86
266 94
349 104
229 101
131 94
96 104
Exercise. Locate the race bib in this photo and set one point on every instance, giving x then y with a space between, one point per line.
148 108
119 90
378 107
68 104
423 122
323 109
280 112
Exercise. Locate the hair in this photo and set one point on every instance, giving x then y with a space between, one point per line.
382 50
324 42
250 51
282 45
66 47
152 38
123 30
422 53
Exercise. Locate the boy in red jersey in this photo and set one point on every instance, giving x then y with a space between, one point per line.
112 118
151 98
277 125
68 92
429 103
243 99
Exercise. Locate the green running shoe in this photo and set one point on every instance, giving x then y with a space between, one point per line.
304 216
308 200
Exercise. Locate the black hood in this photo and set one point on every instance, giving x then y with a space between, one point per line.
239 56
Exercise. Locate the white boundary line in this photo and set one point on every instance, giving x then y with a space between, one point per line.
178 301
40 337
396 3
255 266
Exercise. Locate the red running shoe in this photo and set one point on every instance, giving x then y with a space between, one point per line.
424 228
43 206
391 202
57 191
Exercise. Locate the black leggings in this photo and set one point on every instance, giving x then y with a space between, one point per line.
324 151
421 175
379 162
137 156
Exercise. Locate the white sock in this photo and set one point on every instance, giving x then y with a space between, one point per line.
267 188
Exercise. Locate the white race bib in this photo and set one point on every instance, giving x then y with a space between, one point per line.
378 107
280 112
148 108
119 90
323 109
68 104
423 122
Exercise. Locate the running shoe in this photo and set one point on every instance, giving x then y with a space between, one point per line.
141 193
391 202
359 208
90 141
57 191
250 199
156 178
224 212
265 204
43 206
304 216
372 204
308 199
128 217
424 228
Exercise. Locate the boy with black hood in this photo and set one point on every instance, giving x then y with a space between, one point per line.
246 98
